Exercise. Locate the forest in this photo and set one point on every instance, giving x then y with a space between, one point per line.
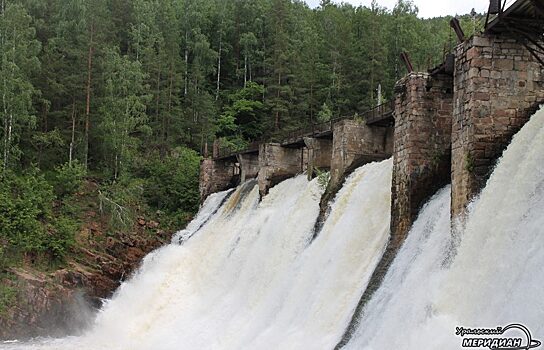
109 104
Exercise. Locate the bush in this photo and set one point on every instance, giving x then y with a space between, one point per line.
118 200
172 183
25 206
68 178
323 178
60 237
8 296
26 220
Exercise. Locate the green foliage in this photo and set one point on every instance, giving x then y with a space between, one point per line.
172 182
8 295
123 110
27 224
18 61
25 206
323 178
119 199
324 114
245 114
68 178
60 237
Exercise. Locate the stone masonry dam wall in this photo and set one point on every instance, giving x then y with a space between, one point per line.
447 128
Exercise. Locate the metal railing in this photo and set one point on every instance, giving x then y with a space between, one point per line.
309 130
381 112
229 151
371 116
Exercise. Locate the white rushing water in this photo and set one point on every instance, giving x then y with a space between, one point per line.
209 208
247 275
494 279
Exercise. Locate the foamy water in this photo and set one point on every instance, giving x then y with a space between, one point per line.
495 278
246 275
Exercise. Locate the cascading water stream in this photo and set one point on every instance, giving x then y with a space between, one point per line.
246 275
492 278
210 207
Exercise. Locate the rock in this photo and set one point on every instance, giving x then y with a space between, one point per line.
63 301
152 224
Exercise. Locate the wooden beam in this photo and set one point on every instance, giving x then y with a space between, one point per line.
538 6
454 23
406 59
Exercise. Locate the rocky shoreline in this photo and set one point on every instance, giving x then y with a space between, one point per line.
63 301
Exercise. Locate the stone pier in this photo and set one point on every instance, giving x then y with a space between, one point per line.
498 86
278 163
421 160
354 144
217 175
249 165
319 155
422 151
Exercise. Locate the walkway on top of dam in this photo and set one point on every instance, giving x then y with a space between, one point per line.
381 115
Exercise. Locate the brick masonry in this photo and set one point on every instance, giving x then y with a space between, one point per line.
217 175
354 144
319 155
278 163
498 86
421 156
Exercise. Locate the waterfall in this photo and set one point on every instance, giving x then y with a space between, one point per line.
489 276
248 275
245 274
210 207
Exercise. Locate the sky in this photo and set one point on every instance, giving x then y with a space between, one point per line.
427 8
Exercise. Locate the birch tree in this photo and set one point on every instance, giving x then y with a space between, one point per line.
122 111
19 50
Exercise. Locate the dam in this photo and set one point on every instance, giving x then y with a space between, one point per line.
431 220
447 125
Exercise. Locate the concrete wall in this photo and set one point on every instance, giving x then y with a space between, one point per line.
276 164
354 144
249 166
422 146
498 85
217 175
319 155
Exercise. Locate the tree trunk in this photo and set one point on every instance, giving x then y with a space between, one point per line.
4 102
88 102
158 91
8 141
44 129
311 103
277 117
245 70
218 67
186 62
72 141
6 146
166 123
